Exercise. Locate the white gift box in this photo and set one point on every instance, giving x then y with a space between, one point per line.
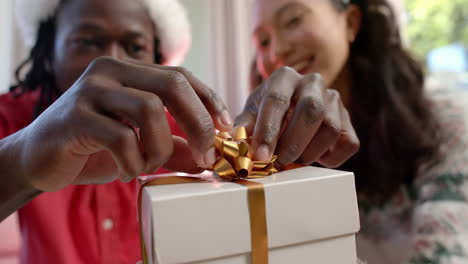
312 217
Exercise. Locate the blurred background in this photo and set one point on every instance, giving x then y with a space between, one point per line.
436 31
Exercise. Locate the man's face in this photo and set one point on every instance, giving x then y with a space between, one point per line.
87 29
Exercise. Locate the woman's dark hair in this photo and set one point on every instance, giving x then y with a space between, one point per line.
37 68
391 115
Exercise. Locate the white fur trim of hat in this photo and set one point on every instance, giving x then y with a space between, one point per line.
169 17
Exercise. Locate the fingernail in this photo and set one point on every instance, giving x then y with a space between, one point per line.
226 119
262 153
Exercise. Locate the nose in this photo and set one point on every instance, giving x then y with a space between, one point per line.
116 51
281 48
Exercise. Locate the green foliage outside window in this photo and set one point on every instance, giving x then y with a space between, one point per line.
436 23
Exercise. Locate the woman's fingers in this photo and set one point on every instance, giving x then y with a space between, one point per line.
296 117
310 113
346 145
275 102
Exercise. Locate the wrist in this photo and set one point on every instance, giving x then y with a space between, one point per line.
15 190
11 160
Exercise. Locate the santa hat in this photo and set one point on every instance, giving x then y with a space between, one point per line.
169 17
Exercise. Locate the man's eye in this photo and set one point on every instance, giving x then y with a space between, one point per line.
136 48
86 43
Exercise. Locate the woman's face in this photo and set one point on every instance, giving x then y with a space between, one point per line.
87 29
308 35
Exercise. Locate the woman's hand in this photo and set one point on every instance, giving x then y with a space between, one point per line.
300 120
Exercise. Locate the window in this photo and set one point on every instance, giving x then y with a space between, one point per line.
437 33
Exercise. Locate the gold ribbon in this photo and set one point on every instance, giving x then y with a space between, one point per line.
257 212
234 164
235 160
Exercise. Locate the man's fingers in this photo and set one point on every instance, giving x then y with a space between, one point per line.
176 93
210 99
181 159
102 132
145 111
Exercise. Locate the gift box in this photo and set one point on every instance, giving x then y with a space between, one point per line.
311 216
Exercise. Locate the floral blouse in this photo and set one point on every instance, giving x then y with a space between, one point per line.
426 223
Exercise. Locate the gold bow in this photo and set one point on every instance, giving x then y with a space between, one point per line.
236 162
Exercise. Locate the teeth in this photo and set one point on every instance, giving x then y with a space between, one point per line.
299 66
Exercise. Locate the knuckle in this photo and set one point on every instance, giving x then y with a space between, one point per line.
333 127
89 88
177 83
176 79
150 105
314 81
279 99
333 95
312 108
314 78
183 70
284 71
102 61
89 84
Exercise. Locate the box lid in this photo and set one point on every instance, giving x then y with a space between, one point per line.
201 221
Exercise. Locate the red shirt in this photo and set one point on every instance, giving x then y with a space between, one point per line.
79 224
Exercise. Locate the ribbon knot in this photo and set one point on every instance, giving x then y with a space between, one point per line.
235 161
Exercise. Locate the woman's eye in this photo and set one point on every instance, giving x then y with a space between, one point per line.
264 43
293 22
